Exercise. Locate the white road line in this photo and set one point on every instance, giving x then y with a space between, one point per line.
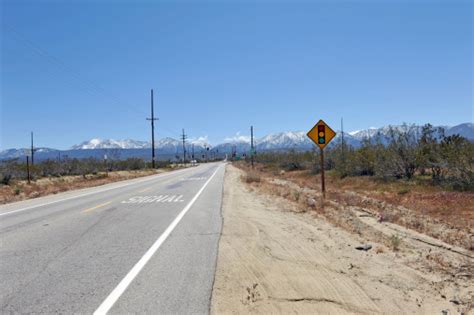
95 192
122 286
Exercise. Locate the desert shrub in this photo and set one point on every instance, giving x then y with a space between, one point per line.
252 178
404 191
458 155
6 179
395 242
296 195
16 168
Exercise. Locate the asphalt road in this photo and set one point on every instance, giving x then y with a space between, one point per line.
147 245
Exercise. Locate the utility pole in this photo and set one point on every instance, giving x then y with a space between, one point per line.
152 119
251 144
183 137
32 151
28 168
193 151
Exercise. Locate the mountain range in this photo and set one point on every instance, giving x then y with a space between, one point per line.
169 147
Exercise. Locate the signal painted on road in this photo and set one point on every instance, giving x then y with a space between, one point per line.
155 199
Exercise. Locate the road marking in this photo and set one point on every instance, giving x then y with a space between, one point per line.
150 199
122 286
97 191
145 190
98 206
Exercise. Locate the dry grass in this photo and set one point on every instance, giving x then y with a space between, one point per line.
21 190
446 215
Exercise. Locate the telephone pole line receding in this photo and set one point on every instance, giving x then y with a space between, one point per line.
152 119
183 137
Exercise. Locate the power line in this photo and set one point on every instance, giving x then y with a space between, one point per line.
87 85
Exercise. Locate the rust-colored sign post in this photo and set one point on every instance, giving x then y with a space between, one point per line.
323 187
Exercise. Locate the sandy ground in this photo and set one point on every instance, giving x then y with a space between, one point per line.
275 259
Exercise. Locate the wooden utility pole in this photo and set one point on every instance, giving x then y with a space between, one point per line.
152 119
28 169
183 137
32 151
251 145
105 165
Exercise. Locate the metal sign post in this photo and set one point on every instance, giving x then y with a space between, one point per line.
321 134
323 186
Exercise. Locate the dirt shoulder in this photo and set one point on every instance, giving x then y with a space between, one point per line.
276 258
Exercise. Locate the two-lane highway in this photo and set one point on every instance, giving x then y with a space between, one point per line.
145 245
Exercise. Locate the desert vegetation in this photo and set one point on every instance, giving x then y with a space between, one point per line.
420 181
429 158
53 176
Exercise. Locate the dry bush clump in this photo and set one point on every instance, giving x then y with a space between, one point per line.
395 242
251 178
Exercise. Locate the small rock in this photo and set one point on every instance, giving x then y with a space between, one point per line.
311 202
365 247
34 194
445 312
282 172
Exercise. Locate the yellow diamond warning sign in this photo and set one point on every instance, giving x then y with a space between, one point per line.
321 134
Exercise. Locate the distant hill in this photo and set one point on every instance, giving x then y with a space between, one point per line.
169 148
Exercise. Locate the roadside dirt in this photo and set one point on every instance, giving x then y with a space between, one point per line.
21 190
276 257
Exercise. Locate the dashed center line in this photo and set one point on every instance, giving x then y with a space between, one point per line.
98 206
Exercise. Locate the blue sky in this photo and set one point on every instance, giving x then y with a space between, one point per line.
77 70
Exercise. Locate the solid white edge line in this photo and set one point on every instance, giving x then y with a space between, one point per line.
122 286
96 192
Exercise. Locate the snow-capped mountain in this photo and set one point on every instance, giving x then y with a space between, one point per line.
287 140
241 143
360 134
111 144
167 144
19 153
